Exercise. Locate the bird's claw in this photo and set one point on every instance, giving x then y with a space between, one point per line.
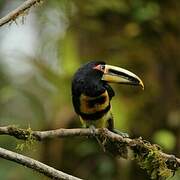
93 130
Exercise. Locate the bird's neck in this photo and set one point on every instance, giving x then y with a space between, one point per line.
94 88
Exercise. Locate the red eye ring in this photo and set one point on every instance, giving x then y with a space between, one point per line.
100 67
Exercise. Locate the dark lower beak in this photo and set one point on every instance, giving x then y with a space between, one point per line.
119 75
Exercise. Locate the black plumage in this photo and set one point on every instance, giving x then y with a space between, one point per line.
91 93
87 81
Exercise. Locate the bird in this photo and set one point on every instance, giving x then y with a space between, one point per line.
92 93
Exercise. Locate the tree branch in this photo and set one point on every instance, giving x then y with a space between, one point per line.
36 165
22 9
149 156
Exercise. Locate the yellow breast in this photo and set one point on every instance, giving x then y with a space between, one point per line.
103 122
91 105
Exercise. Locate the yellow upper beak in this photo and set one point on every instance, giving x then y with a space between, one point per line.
116 74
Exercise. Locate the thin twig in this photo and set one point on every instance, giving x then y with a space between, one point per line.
24 7
36 165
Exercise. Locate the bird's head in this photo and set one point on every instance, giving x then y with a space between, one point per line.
96 73
114 74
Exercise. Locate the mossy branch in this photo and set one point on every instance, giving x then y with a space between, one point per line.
149 156
22 10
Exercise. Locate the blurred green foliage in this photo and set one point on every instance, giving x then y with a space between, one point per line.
142 36
165 138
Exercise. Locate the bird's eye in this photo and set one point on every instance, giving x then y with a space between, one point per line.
100 67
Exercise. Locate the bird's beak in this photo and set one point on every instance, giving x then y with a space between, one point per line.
119 75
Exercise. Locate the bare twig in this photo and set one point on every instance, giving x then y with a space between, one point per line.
149 156
18 11
36 165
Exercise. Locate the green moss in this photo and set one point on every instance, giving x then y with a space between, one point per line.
28 142
150 158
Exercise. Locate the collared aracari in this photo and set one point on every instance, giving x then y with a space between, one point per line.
91 93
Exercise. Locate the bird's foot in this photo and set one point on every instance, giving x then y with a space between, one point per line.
93 130
125 135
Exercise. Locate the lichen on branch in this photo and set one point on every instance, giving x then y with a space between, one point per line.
150 157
